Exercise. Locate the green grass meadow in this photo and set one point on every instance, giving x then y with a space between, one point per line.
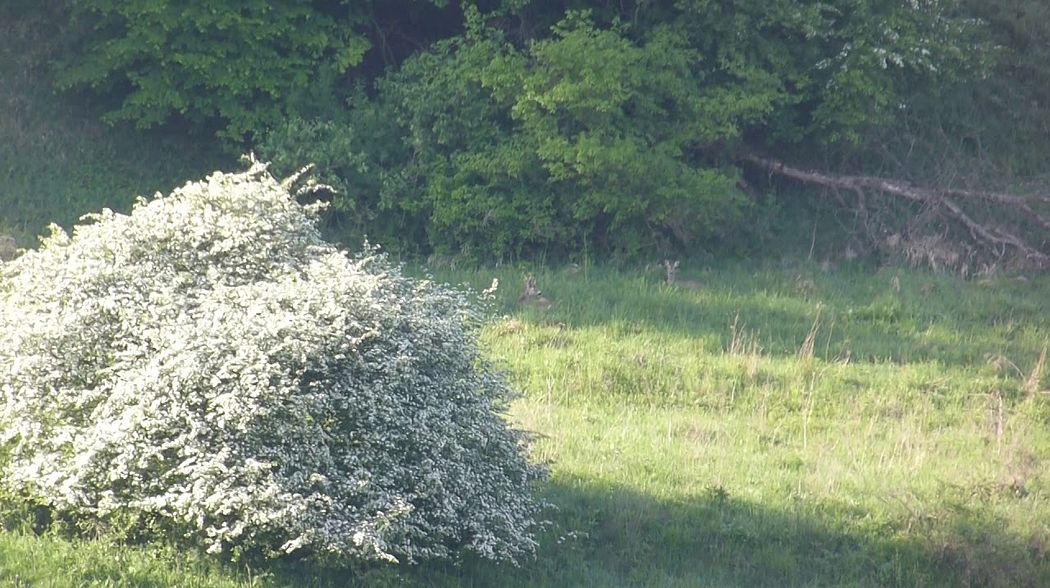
782 426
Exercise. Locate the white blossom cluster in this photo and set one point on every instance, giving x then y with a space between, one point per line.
210 362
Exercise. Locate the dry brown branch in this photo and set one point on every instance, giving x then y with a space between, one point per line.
996 239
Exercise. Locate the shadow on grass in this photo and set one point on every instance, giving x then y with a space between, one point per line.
613 537
899 315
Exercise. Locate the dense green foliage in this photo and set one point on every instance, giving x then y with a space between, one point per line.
241 66
520 129
57 159
997 128
506 152
613 136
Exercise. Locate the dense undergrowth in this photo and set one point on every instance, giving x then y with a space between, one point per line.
57 160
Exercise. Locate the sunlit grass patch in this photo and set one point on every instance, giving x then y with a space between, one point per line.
753 433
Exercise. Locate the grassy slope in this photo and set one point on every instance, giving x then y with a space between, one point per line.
686 451
904 450
57 161
695 438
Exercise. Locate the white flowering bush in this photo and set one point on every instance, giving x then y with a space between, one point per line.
209 362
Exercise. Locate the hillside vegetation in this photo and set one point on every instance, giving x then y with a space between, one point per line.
803 418
516 129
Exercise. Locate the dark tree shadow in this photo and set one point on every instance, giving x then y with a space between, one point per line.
897 315
615 537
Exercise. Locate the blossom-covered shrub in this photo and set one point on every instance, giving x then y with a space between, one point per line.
208 362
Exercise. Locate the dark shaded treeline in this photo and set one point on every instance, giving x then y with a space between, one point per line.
515 128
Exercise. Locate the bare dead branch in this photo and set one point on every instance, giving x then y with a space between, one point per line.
943 199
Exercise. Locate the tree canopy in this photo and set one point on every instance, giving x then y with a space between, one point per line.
515 127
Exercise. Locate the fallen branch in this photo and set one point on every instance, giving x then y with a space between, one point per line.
943 199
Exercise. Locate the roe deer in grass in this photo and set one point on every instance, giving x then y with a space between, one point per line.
532 296
672 279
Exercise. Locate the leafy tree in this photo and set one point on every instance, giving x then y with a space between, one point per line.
239 66
993 126
586 139
840 68
632 132
619 128
543 127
